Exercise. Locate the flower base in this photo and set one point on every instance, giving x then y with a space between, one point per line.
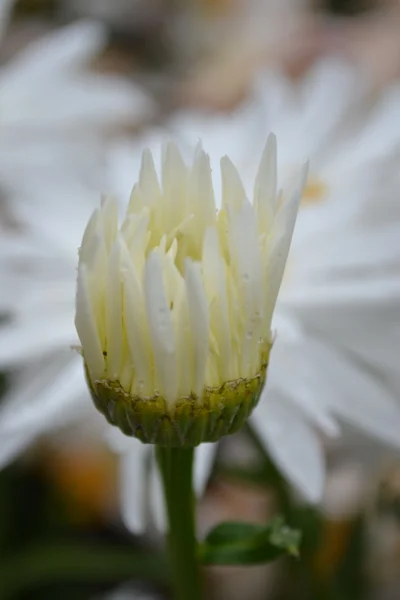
222 411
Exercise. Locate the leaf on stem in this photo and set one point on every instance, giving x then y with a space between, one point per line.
234 543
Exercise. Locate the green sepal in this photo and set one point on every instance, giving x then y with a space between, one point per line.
190 421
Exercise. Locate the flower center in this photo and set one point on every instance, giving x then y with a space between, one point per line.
314 191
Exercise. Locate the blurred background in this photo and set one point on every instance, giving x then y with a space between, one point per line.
76 108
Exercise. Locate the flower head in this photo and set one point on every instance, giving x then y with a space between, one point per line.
174 307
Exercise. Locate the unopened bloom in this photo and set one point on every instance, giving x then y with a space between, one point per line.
174 307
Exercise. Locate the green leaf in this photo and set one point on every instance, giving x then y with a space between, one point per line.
249 544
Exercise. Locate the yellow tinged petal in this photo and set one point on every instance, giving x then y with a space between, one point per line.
199 321
249 273
136 201
114 335
87 241
136 328
214 274
233 192
161 327
86 327
109 219
174 178
265 187
184 343
280 243
148 180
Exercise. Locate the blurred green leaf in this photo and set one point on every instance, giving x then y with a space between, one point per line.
83 562
249 544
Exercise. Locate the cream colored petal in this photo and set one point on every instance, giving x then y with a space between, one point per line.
114 337
90 231
136 328
214 274
109 219
265 187
280 244
86 326
174 179
201 191
148 180
246 250
233 192
184 344
199 320
136 201
160 327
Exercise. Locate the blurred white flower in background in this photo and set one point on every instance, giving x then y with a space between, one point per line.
336 333
337 317
55 115
55 118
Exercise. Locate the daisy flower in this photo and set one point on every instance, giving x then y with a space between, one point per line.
334 301
334 356
55 115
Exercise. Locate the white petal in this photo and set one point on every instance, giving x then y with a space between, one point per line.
114 313
90 231
133 475
203 465
214 274
109 219
355 394
265 187
156 500
174 177
86 326
28 338
246 250
148 180
69 47
200 322
136 200
351 305
293 445
201 193
291 373
184 345
51 394
160 327
137 330
281 238
233 192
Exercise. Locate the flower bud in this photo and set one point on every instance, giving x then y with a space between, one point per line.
174 306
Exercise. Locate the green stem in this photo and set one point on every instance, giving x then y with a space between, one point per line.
176 467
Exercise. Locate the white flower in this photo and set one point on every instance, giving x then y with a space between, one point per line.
337 317
55 114
349 238
338 313
174 307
